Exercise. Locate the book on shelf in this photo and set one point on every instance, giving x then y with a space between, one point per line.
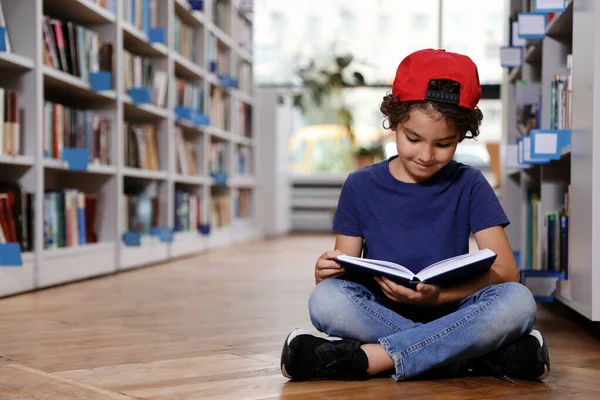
69 218
243 162
67 127
222 15
241 201
74 49
141 212
187 211
547 240
244 119
139 71
220 211
189 95
184 39
187 159
16 215
561 97
142 14
445 272
217 154
140 146
219 112
10 129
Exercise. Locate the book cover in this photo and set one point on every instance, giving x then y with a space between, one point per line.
443 273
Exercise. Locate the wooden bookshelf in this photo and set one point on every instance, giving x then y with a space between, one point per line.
573 173
37 173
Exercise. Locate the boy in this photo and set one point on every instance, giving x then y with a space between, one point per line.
417 208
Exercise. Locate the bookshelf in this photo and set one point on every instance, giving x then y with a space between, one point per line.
159 184
567 181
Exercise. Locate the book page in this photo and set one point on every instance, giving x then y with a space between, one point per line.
454 263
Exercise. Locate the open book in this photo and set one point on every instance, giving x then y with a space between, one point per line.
443 273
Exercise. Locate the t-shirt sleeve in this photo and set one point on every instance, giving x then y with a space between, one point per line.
346 220
485 208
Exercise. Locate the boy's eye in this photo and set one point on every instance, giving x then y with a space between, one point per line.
444 145
412 140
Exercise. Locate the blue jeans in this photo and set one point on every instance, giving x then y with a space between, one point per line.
419 339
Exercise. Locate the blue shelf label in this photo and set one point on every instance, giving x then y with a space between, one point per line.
10 255
100 81
157 35
185 113
204 229
164 234
220 178
548 143
197 5
2 38
201 120
132 238
532 25
139 95
549 6
76 159
212 66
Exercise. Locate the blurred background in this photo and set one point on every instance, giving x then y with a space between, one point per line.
331 62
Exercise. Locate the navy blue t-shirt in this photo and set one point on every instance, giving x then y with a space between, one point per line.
417 224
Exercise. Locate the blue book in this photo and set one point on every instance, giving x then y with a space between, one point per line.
81 218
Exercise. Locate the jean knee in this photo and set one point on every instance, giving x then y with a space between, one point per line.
327 305
519 311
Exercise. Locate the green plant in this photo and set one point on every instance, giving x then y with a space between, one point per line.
322 100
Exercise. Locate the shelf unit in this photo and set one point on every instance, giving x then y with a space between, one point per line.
23 70
570 32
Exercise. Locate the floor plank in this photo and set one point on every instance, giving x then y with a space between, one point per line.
212 327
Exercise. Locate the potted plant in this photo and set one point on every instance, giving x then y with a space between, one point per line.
322 101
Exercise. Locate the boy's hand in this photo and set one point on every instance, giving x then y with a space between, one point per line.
425 295
326 267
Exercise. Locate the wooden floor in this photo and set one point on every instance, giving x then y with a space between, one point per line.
212 327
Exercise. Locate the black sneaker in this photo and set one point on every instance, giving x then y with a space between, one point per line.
526 358
309 357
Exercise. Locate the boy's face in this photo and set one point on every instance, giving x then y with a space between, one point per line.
425 143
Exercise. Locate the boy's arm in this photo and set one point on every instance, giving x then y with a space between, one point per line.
349 245
504 269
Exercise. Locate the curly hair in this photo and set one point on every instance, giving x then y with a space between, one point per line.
465 121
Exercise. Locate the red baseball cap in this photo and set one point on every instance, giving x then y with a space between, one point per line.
418 68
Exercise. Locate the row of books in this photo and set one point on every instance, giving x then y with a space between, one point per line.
244 119
187 159
220 210
140 72
219 55
222 15
16 215
219 108
561 98
244 75
547 235
74 49
241 201
140 147
69 218
10 128
188 211
142 14
189 95
66 127
141 212
184 42
217 156
243 161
